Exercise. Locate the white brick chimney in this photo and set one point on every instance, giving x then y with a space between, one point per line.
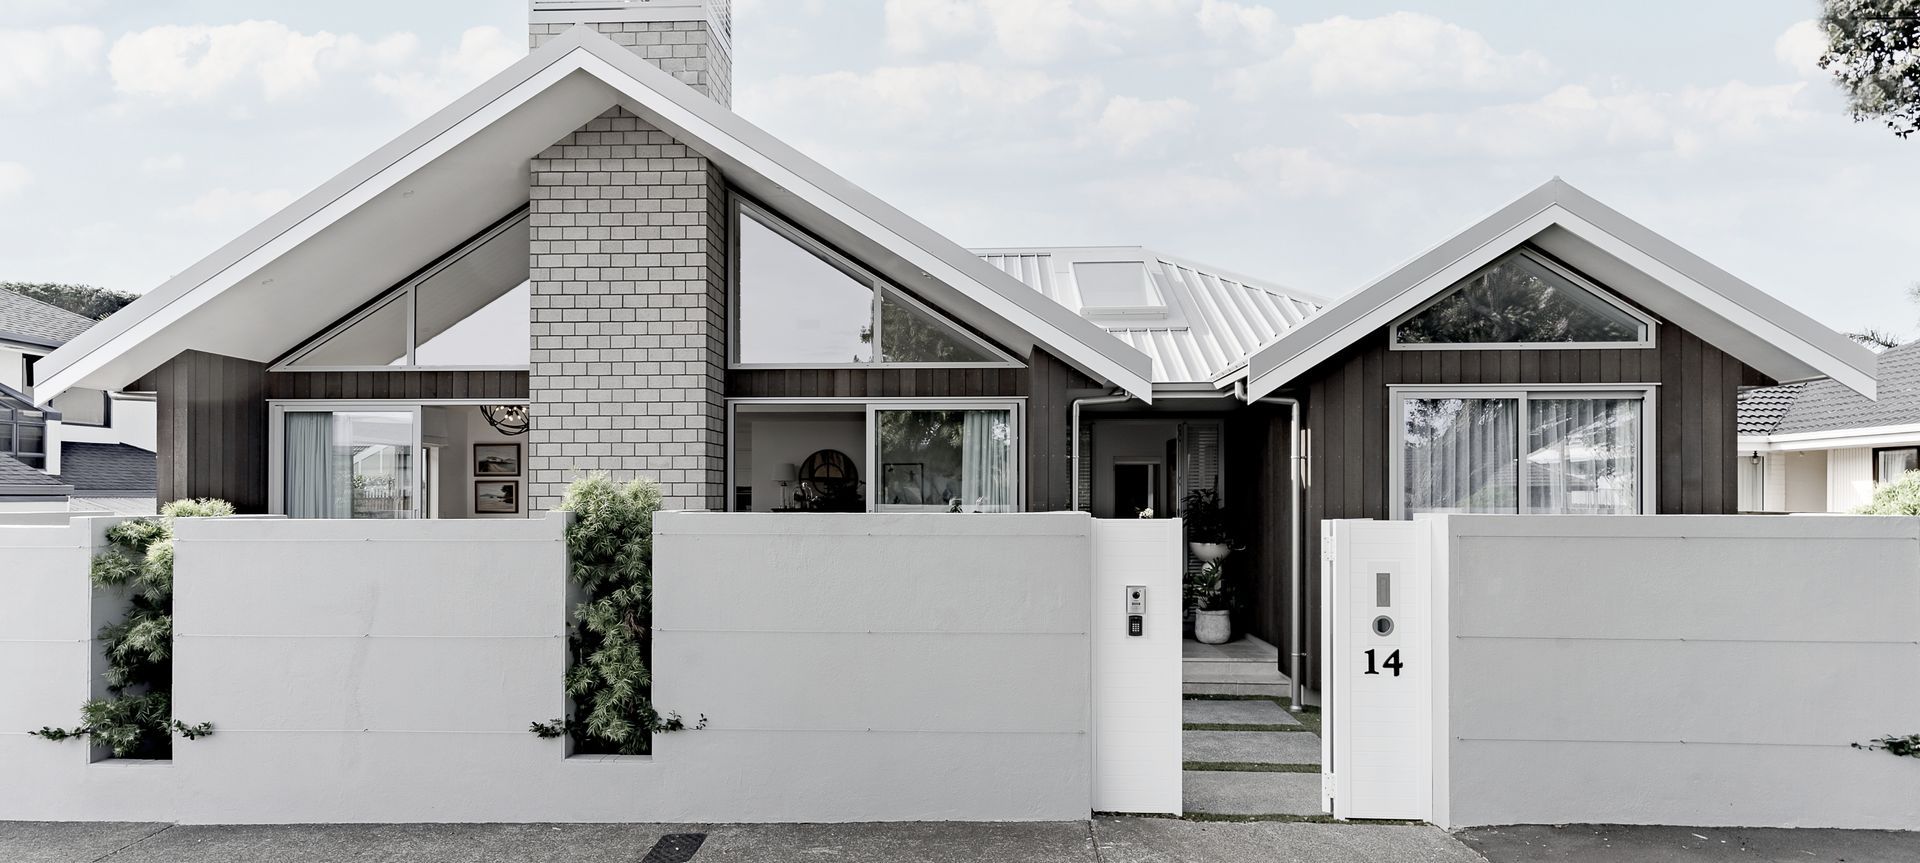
692 39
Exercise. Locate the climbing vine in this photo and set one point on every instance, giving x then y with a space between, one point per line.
135 720
610 546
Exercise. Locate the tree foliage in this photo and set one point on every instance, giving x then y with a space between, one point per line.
1873 50
610 545
1513 302
136 719
86 301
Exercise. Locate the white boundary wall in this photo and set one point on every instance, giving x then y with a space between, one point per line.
1689 670
857 667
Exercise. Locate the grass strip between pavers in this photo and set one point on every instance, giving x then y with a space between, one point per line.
1249 767
1308 717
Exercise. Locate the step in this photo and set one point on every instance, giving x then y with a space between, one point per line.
1206 671
1219 792
1250 747
1270 690
1220 711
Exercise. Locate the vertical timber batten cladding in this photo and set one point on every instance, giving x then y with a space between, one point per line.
1349 418
410 385
210 428
1052 385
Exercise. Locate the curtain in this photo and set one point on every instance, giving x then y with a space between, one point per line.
1583 456
986 462
313 487
1459 455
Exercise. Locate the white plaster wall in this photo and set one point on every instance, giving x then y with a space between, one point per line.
13 368
1806 480
48 616
1136 680
1699 670
1849 478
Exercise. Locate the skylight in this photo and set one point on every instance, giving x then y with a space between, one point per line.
1117 288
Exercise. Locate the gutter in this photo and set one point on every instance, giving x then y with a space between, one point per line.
1296 573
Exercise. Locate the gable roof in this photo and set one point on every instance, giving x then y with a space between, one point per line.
30 321
1214 319
1625 256
108 469
447 178
1825 406
17 480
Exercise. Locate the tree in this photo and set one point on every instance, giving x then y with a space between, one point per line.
1873 50
86 301
1879 339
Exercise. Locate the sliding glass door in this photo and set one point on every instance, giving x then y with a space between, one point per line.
350 464
937 460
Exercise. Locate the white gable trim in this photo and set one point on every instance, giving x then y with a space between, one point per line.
1554 205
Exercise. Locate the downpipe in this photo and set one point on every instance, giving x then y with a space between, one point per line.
1073 461
1296 575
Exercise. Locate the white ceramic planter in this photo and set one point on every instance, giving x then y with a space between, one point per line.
1212 627
1209 552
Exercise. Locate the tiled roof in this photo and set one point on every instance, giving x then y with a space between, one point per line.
1827 406
1761 409
29 320
19 480
1214 320
108 469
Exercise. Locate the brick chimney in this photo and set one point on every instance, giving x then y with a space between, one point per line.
692 39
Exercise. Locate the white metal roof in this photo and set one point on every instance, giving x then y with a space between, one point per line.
1211 320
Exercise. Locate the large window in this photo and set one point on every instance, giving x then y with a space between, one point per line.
471 309
23 435
1892 463
1524 299
945 460
883 456
798 304
1538 452
349 464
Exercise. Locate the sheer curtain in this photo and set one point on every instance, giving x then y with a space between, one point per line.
986 462
1460 455
314 488
1583 456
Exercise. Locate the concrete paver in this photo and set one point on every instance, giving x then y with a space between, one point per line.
60 842
1250 747
1213 792
1274 690
1161 840
1234 711
1601 843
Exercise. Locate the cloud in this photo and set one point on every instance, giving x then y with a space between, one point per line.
1295 172
225 205
1401 53
163 166
32 61
1130 124
1574 119
199 63
1801 46
917 26
47 10
482 52
13 178
937 102
1154 196
1228 22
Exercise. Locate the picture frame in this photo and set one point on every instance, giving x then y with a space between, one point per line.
904 483
496 459
496 497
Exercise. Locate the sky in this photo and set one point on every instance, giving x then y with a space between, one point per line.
1318 145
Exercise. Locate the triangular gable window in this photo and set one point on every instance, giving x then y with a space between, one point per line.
799 304
1524 299
472 309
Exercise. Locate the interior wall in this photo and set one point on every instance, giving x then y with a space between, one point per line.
763 441
1114 440
477 431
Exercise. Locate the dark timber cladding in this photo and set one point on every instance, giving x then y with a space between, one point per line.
211 428
1349 420
1051 389
875 383
426 386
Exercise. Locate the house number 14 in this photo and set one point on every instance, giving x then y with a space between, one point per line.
1392 663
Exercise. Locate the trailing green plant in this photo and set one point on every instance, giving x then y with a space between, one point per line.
1900 497
135 720
1903 745
610 546
1206 518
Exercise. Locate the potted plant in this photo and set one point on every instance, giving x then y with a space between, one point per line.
1207 591
1206 522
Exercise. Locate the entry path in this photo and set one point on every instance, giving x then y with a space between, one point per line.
1246 754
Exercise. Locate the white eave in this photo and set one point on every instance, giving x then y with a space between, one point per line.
447 178
1625 256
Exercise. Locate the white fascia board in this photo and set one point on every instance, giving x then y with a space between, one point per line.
1819 349
1878 436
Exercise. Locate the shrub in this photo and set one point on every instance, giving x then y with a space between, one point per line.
1900 497
610 545
1206 518
136 719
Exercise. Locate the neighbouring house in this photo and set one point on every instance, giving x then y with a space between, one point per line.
590 263
76 440
1821 447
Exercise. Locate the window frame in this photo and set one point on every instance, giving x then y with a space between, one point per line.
277 429
1399 394
13 422
408 293
1652 326
867 408
741 207
1878 480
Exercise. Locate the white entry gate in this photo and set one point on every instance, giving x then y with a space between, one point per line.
1378 665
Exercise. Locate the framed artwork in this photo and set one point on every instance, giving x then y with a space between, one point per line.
496 498
903 483
496 459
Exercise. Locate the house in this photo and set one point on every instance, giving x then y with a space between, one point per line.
1821 447
590 263
90 448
